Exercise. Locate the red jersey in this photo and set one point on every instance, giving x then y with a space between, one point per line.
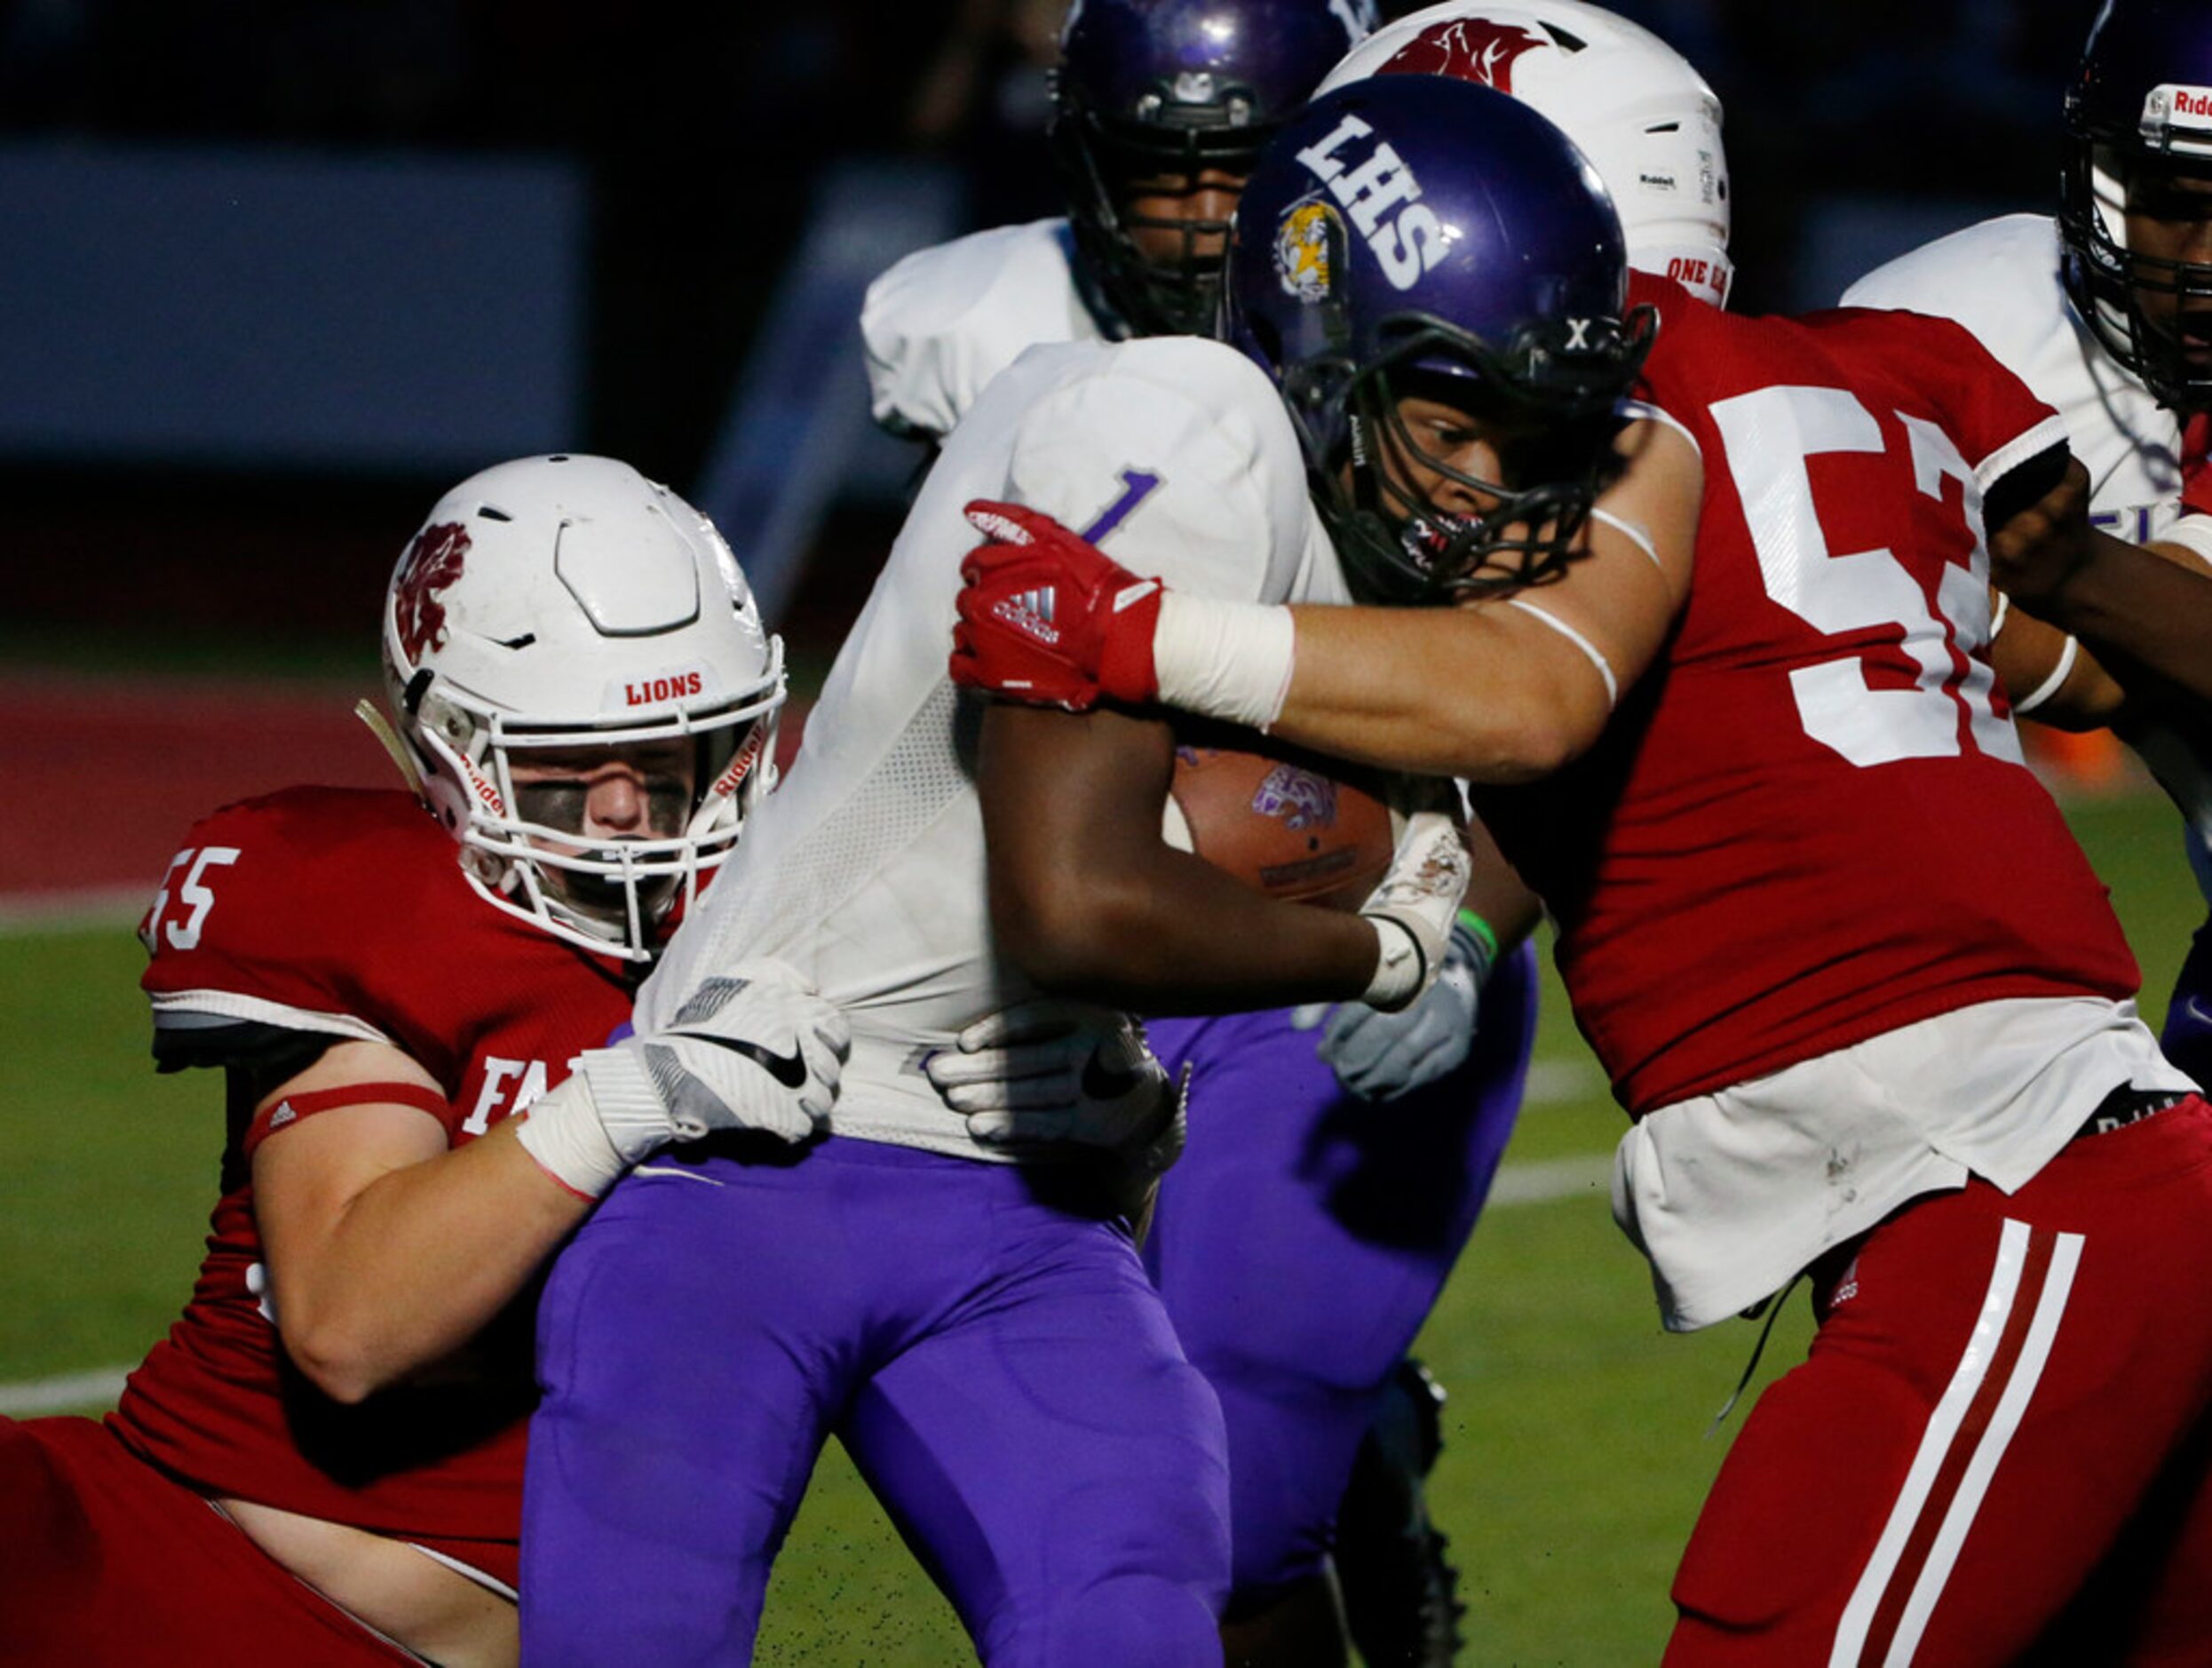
1810 822
287 922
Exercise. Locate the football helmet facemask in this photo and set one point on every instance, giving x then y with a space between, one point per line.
2138 120
1152 91
566 603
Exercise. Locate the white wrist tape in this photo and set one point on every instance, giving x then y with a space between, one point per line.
1224 660
586 1133
1401 967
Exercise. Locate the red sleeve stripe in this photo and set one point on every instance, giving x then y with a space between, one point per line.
292 1108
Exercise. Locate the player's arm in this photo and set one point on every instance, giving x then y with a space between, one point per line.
1087 899
1499 691
2134 606
1507 689
1382 1056
387 1249
2049 676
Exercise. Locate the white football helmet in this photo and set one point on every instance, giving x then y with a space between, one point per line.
568 602
1632 104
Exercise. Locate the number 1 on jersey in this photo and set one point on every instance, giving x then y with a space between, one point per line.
1137 486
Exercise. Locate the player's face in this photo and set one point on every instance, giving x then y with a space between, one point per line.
642 790
2169 218
1159 209
1433 445
637 791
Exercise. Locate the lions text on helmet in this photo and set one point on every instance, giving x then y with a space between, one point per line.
586 692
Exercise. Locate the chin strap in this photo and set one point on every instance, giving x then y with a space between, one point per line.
380 726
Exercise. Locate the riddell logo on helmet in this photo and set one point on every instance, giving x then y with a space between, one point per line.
2171 102
1412 240
1473 49
644 692
487 793
742 765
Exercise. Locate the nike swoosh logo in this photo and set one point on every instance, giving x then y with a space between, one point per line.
788 1069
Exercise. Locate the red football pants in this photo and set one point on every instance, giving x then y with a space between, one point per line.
105 1562
1997 1448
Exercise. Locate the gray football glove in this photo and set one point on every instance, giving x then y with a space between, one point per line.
1382 1056
1049 1072
754 1048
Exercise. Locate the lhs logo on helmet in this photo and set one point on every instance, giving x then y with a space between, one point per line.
1473 49
1305 242
432 564
1382 198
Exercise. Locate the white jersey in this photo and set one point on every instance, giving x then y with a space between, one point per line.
942 322
865 870
2001 280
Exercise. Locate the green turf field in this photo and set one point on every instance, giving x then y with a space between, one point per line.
1578 1443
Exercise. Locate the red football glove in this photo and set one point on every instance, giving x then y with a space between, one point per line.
1045 619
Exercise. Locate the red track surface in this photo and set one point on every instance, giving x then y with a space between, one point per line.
103 776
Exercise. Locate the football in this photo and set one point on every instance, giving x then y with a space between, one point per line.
1294 827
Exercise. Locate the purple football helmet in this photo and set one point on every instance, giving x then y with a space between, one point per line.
1419 234
2139 120
1162 90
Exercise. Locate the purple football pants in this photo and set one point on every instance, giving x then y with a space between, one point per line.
2187 1038
995 1363
1305 1235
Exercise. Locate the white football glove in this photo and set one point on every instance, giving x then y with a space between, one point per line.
1413 907
1045 1073
752 1049
1382 1056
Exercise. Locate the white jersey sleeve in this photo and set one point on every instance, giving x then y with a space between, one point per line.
866 869
938 325
2000 279
1177 460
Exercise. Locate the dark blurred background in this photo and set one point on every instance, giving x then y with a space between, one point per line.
271 275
